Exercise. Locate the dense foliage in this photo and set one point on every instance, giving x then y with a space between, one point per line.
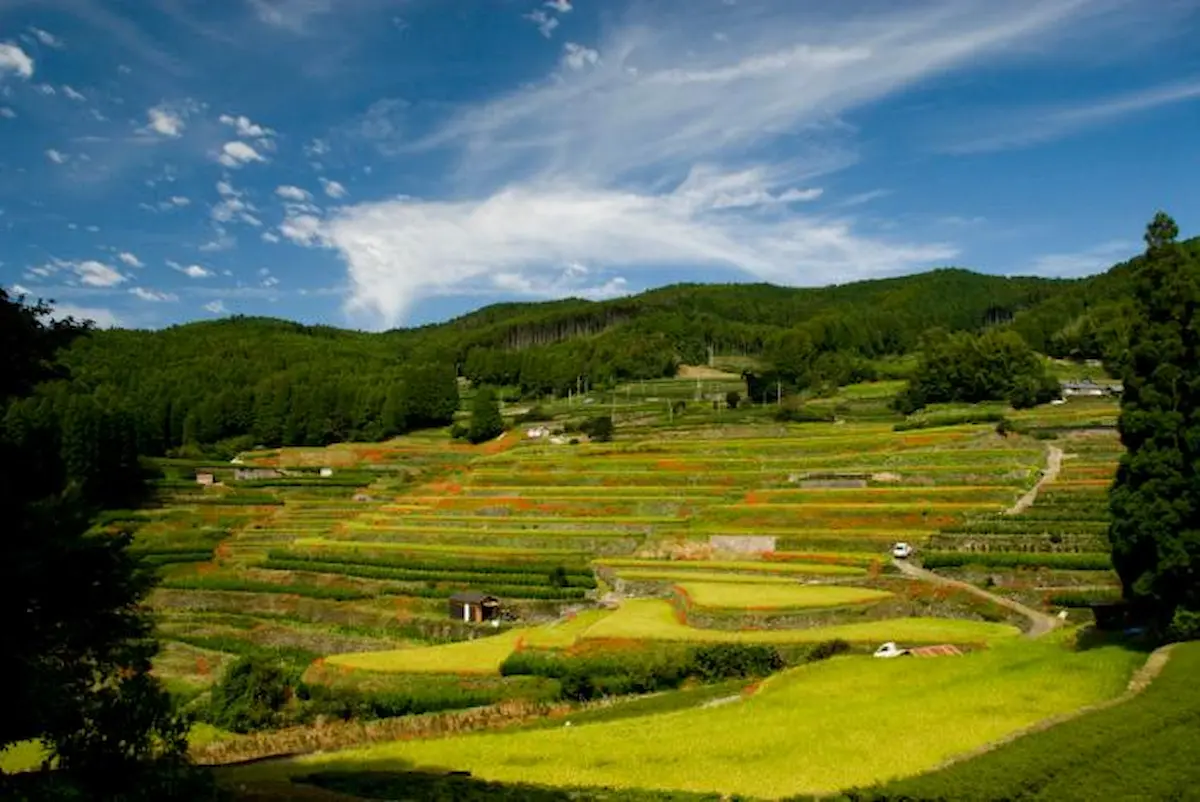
486 422
1155 500
249 381
996 365
268 382
77 643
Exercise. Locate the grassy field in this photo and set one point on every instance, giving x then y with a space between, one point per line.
654 619
732 596
1144 748
813 729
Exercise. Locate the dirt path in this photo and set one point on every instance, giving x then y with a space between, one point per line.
1054 458
1140 680
1039 623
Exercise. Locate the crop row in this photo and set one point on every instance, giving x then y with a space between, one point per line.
1000 559
457 578
229 583
429 566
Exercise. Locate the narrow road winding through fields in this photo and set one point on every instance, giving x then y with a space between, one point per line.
1039 623
1054 458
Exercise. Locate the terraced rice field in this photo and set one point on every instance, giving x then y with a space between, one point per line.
655 619
814 729
377 548
776 596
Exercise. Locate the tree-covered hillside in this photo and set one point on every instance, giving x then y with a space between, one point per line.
271 382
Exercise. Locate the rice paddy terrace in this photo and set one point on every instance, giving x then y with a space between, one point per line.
696 529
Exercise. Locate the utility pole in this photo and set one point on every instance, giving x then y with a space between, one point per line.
778 393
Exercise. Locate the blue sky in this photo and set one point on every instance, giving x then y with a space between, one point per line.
373 163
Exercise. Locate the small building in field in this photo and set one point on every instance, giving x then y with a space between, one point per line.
205 479
473 606
326 473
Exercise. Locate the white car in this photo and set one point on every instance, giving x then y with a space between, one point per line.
902 551
890 649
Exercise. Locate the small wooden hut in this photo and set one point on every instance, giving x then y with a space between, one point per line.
472 605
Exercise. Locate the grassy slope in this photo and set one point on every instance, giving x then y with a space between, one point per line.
731 596
653 619
812 729
1145 748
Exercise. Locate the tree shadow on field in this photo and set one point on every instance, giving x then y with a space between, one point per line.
460 786
1092 637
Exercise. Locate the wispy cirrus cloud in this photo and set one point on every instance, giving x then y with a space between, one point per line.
1086 262
666 152
1022 128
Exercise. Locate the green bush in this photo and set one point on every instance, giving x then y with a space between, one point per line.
1001 559
727 660
1084 598
250 696
827 649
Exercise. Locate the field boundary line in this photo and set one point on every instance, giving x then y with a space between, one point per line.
1139 682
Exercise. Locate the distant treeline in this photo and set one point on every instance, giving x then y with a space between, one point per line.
258 381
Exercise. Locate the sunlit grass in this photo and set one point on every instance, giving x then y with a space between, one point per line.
731 596
654 619
844 722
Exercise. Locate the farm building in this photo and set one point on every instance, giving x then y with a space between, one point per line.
256 473
205 479
471 605
1091 389
326 473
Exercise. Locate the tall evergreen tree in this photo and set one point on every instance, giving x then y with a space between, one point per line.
486 421
1155 500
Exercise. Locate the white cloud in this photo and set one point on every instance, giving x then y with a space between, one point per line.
270 237
1086 262
576 56
46 89
130 259
56 156
401 251
303 229
288 192
561 6
226 190
154 296
191 271
216 307
270 281
290 14
245 128
545 22
14 59
176 201
46 38
7 113
103 318
17 289
333 189
235 154
660 99
665 153
318 147
71 93
1017 128
166 121
96 274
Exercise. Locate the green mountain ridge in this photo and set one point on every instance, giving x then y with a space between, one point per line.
256 380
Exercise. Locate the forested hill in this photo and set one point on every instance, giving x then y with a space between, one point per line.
275 382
